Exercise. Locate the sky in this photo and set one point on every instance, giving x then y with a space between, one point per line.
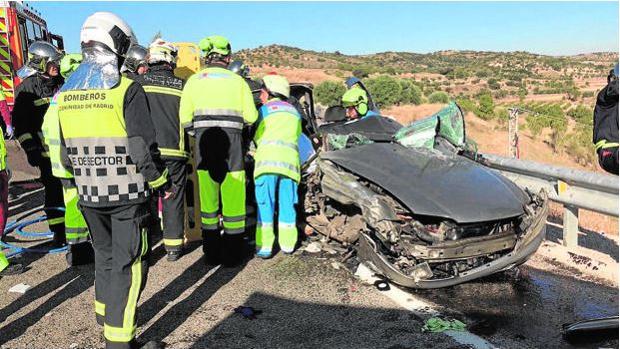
553 28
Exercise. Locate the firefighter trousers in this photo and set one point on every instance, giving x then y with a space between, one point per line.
119 236
231 248
54 198
173 208
80 249
272 190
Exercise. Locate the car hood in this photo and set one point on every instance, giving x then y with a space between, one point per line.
430 183
377 128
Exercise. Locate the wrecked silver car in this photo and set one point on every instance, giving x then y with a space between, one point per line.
418 206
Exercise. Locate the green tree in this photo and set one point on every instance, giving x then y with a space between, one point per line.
329 93
467 105
486 106
558 124
522 93
385 90
439 97
410 93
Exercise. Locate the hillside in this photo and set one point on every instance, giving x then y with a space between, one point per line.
557 94
455 72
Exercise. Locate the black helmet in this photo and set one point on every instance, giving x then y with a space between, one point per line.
135 57
238 67
613 74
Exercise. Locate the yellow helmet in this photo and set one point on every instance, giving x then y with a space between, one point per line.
277 85
356 97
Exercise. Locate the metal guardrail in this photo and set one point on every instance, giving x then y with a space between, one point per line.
574 189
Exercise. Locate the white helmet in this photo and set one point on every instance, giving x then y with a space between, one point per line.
162 51
109 30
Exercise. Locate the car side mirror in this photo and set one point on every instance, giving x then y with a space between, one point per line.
335 113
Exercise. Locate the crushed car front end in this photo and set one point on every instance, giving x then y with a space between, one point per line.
409 242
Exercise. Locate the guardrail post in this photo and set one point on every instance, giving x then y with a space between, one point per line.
571 226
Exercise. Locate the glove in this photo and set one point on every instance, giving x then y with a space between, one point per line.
34 157
167 190
10 132
171 192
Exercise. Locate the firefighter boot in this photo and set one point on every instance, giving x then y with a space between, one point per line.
234 249
211 246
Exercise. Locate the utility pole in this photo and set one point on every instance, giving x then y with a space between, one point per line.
513 133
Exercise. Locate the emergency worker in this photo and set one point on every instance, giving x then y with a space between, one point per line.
80 250
276 171
6 115
108 142
135 62
5 268
605 132
40 81
355 83
355 102
163 90
239 68
215 104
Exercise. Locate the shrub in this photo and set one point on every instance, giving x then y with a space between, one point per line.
385 90
486 106
361 72
582 114
502 115
410 93
467 105
586 94
438 97
493 84
328 93
483 73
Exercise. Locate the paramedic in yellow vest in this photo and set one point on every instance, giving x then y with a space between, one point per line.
80 250
5 268
276 167
215 104
108 142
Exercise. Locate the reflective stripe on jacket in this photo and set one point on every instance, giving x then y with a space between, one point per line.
229 103
163 90
51 140
277 138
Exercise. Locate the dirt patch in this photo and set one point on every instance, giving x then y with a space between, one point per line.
314 76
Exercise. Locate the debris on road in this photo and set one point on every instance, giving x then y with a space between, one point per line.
248 312
436 325
382 285
313 247
20 288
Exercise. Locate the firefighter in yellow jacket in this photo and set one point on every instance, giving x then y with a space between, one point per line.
276 168
215 104
80 250
108 142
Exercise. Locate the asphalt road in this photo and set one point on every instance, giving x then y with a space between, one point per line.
303 302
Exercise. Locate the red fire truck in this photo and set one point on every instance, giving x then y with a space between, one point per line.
20 25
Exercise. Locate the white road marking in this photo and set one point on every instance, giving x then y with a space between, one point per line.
422 308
